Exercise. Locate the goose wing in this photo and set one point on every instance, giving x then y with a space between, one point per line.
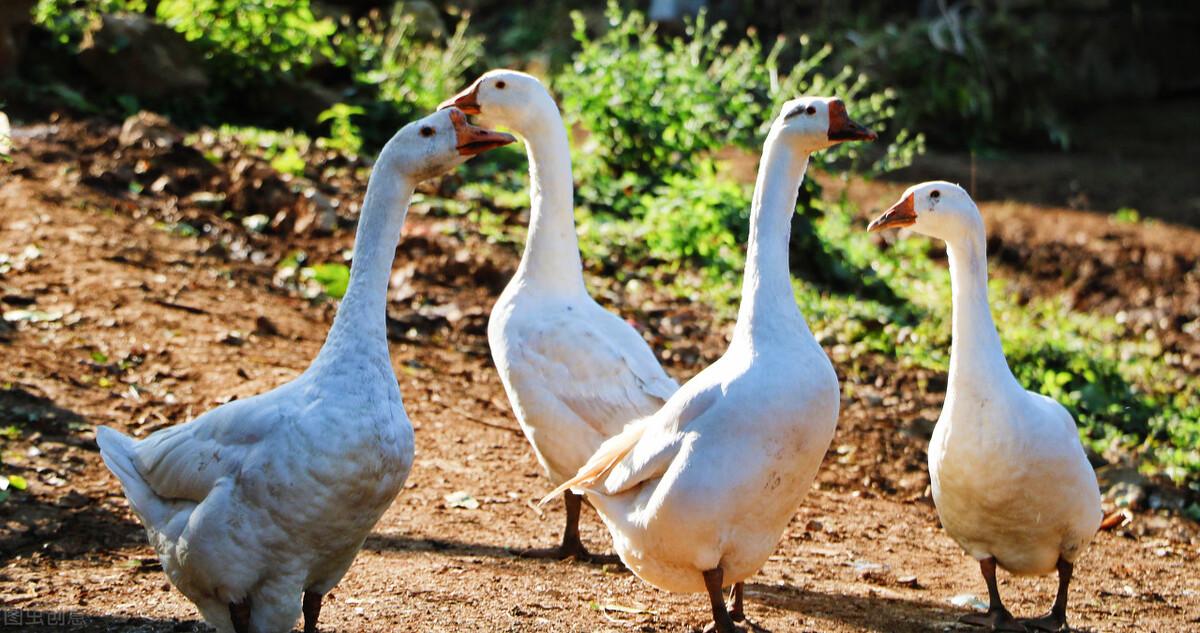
186 461
645 449
594 364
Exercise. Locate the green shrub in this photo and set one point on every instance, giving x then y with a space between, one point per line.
344 135
655 106
68 19
410 75
698 218
260 37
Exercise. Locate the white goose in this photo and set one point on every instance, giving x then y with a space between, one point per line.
1010 479
261 500
575 373
697 495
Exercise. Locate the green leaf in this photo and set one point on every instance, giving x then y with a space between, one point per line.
289 162
18 482
334 278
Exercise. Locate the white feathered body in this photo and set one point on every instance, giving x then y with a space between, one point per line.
718 473
1010 478
575 373
267 497
711 480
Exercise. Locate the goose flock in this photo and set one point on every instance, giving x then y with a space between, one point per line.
257 508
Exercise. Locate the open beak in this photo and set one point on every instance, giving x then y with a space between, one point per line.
467 100
901 214
472 139
842 128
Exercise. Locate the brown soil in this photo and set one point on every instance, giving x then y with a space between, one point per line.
157 327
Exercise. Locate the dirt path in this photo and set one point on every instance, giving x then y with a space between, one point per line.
153 331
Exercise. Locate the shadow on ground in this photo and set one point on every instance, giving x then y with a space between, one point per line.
41 519
380 543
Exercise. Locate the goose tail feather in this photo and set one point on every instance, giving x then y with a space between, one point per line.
610 453
118 451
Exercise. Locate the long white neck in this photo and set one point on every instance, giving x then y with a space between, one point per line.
976 357
551 260
768 307
360 327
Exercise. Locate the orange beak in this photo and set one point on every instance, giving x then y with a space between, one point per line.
466 100
473 140
901 214
842 128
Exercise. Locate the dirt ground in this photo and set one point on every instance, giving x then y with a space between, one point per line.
143 327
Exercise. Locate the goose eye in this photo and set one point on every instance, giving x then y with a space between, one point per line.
811 110
500 84
935 194
427 131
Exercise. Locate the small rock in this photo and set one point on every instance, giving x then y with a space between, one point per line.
207 200
462 499
1124 487
265 327
256 223
148 129
5 132
865 567
970 601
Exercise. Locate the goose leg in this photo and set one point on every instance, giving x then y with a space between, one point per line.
572 545
997 617
721 623
312 610
1056 620
737 613
239 613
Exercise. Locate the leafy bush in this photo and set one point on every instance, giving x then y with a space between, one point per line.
68 19
655 106
387 71
656 110
254 37
699 218
411 75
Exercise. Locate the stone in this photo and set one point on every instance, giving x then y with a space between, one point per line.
5 135
1124 486
148 129
131 54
